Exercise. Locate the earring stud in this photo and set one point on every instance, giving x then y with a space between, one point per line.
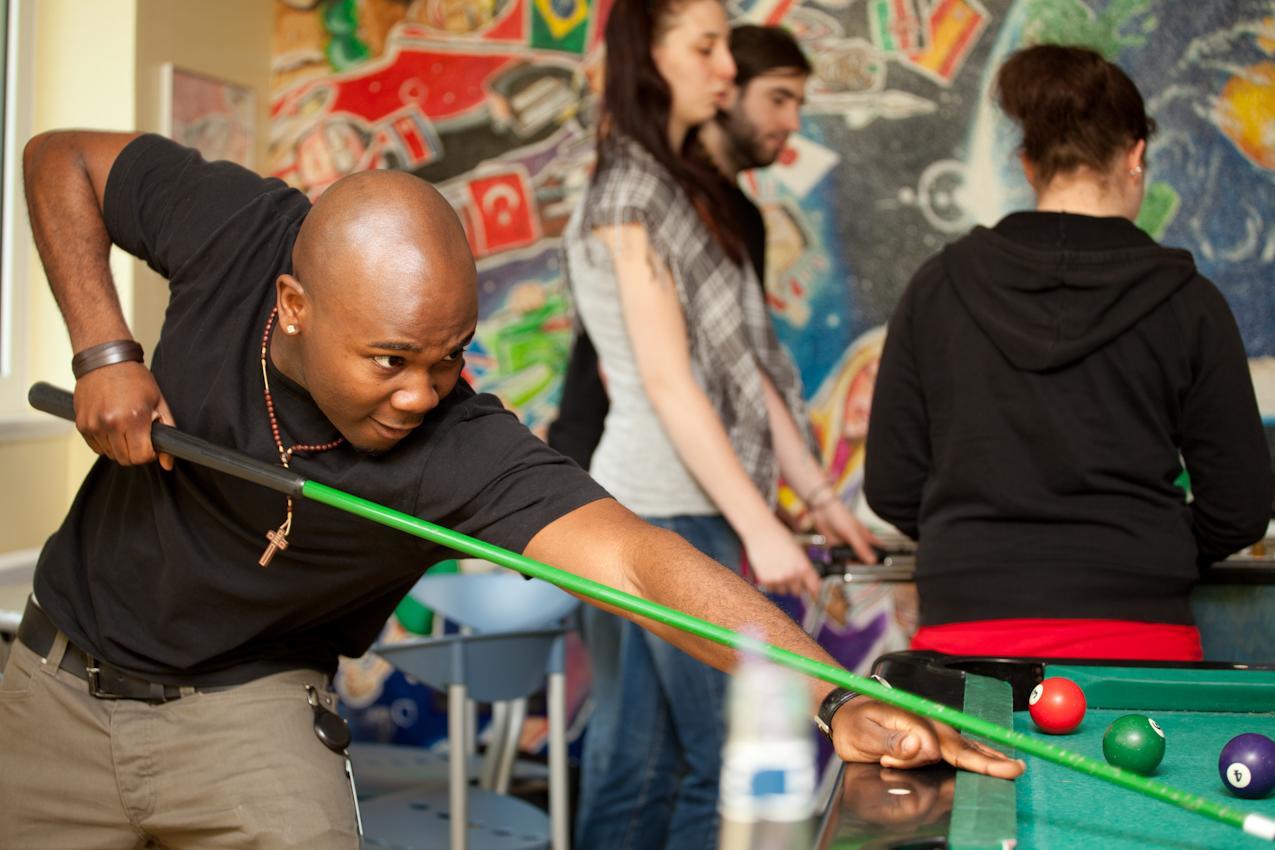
291 329
1135 171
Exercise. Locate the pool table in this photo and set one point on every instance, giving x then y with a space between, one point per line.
1199 706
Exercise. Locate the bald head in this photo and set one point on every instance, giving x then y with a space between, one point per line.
379 229
380 304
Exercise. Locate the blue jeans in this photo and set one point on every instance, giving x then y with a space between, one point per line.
652 756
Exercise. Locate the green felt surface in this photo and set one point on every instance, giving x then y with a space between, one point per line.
1143 689
1059 808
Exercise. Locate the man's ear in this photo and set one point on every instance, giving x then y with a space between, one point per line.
291 300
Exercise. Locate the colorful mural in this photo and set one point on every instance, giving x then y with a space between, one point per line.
900 151
489 101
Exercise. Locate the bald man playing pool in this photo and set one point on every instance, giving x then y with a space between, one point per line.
184 622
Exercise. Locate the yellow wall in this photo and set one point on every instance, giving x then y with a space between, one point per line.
229 40
97 64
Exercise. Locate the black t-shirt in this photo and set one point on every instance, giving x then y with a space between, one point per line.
155 571
752 227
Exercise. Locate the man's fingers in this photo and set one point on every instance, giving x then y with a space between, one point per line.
91 440
900 739
115 407
116 446
977 758
911 746
135 433
164 415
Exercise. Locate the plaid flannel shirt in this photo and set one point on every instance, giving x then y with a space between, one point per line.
730 335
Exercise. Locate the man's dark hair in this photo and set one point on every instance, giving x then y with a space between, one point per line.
762 50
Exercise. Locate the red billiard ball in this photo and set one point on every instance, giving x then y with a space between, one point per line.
1057 705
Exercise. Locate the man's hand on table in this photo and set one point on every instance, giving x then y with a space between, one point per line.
865 730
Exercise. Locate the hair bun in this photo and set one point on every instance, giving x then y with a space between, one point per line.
1075 108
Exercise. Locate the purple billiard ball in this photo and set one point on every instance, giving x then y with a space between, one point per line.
1247 765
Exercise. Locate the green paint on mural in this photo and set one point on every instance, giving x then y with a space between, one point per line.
344 53
530 350
341 17
1159 208
1121 24
344 49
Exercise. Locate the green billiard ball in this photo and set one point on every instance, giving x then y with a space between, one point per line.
1135 743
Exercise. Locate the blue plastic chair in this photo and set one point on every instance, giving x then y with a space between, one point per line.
505 658
494 602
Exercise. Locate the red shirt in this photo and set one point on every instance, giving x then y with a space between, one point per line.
1030 638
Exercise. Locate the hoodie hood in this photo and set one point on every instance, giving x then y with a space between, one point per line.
1050 288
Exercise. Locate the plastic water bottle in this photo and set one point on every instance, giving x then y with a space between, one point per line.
768 764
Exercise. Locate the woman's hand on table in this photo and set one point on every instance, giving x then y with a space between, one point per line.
778 562
838 524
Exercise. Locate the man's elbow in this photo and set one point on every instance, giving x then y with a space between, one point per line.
36 151
51 157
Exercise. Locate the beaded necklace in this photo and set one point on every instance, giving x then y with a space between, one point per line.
278 539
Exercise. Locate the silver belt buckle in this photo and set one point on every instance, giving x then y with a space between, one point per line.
95 679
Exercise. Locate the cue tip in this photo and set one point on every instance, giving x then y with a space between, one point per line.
1261 826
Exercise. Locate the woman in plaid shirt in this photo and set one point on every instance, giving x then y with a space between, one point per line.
705 411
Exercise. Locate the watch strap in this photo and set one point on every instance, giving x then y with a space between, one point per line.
832 703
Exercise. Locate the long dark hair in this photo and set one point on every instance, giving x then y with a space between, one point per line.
635 104
1074 106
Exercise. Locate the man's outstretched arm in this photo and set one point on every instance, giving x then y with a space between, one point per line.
605 542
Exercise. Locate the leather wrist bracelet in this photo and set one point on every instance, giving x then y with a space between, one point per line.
106 354
835 699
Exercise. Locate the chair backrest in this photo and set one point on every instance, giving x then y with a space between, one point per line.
494 602
493 667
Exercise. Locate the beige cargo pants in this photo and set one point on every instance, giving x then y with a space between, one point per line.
236 768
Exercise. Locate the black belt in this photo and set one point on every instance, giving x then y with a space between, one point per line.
37 632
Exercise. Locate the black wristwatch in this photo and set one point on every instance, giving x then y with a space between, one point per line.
836 698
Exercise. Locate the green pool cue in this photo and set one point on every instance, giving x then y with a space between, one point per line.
58 402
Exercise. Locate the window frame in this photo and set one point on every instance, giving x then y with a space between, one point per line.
17 281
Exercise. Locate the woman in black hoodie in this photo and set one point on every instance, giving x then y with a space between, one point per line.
1043 384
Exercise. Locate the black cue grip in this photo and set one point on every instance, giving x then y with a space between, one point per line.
57 401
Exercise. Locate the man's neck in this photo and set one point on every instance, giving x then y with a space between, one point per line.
717 143
283 356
